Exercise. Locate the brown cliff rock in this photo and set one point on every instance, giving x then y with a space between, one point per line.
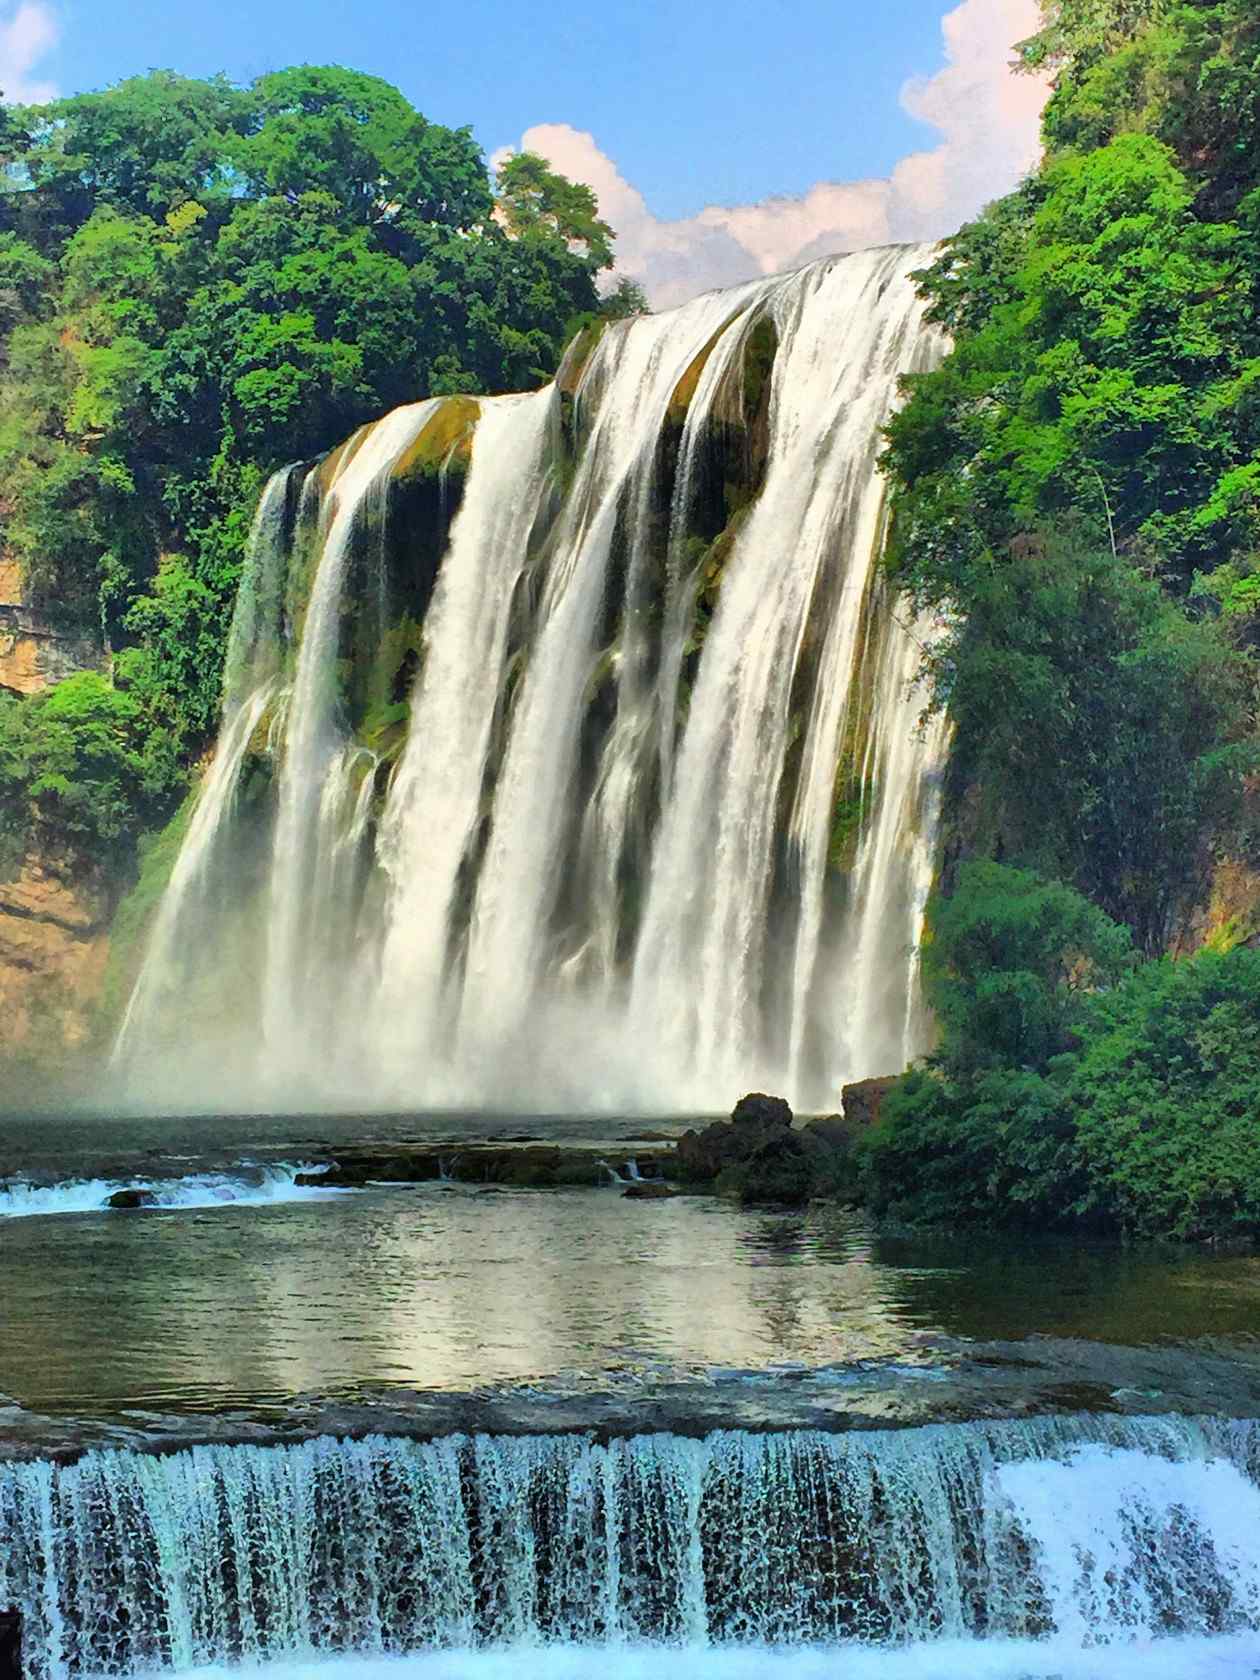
861 1101
36 651
53 949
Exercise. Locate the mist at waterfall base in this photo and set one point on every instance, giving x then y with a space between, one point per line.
658 823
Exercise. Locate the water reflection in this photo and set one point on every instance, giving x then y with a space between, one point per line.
432 1288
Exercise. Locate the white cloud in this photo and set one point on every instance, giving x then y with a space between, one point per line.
987 117
27 35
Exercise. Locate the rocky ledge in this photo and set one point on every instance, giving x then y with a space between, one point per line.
760 1155
522 1165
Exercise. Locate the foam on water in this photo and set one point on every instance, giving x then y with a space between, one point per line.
256 1187
1229 1658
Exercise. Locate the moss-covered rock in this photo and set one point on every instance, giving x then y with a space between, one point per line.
444 444
574 362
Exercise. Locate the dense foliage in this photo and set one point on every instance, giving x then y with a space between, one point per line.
199 282
1077 501
80 765
1078 484
1073 1087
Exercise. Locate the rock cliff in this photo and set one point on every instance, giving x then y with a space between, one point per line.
54 945
36 652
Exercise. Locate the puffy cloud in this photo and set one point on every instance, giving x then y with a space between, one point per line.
27 35
987 117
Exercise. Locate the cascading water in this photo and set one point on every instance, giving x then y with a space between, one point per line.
600 780
1067 1532
251 674
307 825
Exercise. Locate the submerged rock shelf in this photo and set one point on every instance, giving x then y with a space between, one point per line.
516 1165
948 1382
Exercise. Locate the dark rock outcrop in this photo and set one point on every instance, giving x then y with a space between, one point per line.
132 1199
650 1190
756 1109
862 1100
11 1644
781 1172
756 1121
760 1157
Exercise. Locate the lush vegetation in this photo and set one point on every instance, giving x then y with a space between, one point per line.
199 282
1074 1085
1077 501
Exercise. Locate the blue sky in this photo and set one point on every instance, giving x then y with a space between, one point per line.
700 101
725 137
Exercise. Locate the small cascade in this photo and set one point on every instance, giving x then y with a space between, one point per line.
585 765
1072 1532
247 1185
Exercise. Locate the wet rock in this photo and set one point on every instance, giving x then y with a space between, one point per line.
132 1199
650 1190
11 1644
516 1165
729 1143
861 1101
831 1131
782 1172
756 1109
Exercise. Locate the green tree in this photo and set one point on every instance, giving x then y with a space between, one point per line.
199 282
536 203
83 769
1166 1096
1008 959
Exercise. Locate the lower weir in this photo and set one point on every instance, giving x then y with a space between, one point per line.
1094 1529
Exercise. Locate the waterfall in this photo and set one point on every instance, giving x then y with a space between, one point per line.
434 809
599 777
707 939
314 750
1076 1531
251 669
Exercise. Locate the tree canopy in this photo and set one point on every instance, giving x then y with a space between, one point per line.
1076 504
199 282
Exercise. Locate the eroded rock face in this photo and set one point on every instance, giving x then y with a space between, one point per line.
861 1100
54 945
34 651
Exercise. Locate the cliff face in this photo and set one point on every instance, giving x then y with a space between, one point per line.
54 944
36 652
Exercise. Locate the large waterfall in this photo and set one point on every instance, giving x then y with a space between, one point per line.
1074 1532
570 754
